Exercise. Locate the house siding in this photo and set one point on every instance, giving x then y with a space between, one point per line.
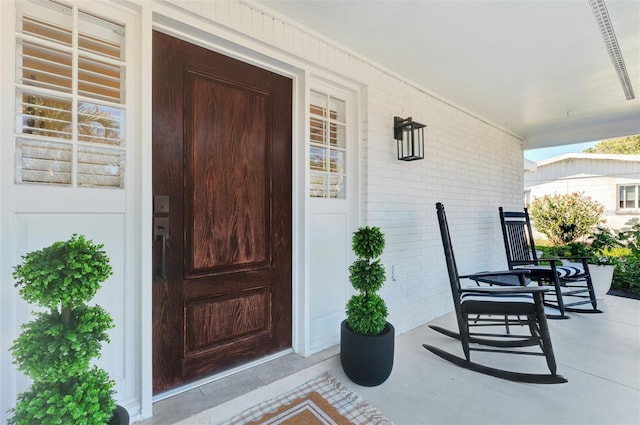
470 165
597 175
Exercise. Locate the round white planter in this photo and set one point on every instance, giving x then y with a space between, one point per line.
601 276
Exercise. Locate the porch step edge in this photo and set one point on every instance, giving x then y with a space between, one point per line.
226 410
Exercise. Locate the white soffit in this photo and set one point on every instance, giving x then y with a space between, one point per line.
539 69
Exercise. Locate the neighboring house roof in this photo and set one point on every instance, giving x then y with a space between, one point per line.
582 165
592 156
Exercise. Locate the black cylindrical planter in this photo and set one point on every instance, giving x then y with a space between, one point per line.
367 360
120 416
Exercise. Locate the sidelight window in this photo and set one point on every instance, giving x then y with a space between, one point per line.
327 146
70 100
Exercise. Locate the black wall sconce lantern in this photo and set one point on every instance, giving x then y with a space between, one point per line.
409 136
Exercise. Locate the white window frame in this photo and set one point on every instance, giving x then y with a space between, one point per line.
328 122
621 199
83 153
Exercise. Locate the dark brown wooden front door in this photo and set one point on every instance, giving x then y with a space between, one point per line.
222 212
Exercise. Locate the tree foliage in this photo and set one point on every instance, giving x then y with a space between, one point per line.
629 145
565 218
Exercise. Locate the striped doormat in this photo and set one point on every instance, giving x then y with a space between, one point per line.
322 401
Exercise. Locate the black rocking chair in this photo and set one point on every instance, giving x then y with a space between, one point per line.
571 286
512 302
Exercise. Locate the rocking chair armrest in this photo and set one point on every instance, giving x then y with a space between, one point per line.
505 289
557 259
515 277
482 275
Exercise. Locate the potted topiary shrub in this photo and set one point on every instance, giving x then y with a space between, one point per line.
366 338
56 348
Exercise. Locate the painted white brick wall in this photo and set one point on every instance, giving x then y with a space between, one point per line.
471 166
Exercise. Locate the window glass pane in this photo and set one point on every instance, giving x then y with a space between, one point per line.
43 162
317 160
338 186
47 21
621 196
327 146
630 197
100 80
45 115
318 105
316 131
337 135
337 110
337 161
101 37
44 67
318 185
100 124
58 98
98 167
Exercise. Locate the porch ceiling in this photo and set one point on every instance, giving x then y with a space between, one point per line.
539 69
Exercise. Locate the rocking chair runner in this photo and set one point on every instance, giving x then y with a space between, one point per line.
475 306
571 286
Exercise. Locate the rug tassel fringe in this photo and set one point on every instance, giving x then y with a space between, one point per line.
374 414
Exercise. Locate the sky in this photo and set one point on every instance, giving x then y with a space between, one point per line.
544 153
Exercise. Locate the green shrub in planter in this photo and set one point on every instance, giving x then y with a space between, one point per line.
366 311
56 348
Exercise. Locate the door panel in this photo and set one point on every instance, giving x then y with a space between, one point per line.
229 226
222 252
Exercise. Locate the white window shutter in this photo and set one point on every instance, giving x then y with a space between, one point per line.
70 97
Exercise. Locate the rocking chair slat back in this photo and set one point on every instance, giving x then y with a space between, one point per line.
518 238
573 284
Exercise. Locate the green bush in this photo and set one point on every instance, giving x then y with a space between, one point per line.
627 273
565 218
621 249
55 349
366 311
630 236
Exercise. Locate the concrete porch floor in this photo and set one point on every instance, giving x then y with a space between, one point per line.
598 353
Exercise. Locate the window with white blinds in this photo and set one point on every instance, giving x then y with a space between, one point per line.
70 96
629 196
327 147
